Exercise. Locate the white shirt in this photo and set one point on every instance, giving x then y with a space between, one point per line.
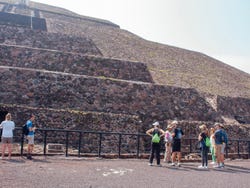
8 127
212 141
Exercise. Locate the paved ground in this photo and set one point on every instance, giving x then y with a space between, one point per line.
52 172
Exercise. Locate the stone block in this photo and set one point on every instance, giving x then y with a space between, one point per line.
55 148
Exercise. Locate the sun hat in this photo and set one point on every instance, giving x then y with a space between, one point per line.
156 123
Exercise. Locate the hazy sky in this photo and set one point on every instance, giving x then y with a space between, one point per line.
218 28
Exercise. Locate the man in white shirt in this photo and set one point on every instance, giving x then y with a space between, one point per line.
7 135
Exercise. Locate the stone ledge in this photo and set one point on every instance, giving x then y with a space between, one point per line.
55 148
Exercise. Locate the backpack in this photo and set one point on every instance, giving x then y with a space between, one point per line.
25 129
178 134
207 142
156 138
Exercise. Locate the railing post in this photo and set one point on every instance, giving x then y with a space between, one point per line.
119 146
22 143
238 142
138 145
226 148
248 149
190 145
80 144
45 142
67 143
100 145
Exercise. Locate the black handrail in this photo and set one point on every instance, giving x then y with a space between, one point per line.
44 142
45 132
79 144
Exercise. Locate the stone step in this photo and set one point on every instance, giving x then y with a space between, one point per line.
72 119
48 89
55 148
52 60
13 35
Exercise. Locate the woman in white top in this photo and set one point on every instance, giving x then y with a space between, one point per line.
212 147
7 134
168 144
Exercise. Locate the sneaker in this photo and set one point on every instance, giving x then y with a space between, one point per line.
29 157
172 164
200 166
217 166
212 162
206 167
178 164
159 165
150 164
222 166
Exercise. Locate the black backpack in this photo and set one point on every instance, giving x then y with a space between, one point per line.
25 129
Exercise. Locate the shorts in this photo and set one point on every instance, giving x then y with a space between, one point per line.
218 149
30 139
7 140
176 147
223 148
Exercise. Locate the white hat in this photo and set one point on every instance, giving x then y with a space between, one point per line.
156 123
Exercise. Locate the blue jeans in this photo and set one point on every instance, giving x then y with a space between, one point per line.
204 155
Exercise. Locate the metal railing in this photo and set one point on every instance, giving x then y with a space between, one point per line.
139 143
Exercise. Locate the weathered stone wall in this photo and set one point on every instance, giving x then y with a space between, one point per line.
234 107
74 120
40 39
64 91
24 21
73 63
78 120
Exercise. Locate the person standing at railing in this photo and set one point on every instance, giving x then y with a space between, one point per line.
212 147
7 135
224 144
220 138
30 136
176 146
156 133
204 148
168 144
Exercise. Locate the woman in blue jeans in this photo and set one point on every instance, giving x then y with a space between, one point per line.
204 149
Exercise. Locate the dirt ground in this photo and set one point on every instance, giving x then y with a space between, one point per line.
73 172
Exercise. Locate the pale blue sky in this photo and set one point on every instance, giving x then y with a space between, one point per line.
218 28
